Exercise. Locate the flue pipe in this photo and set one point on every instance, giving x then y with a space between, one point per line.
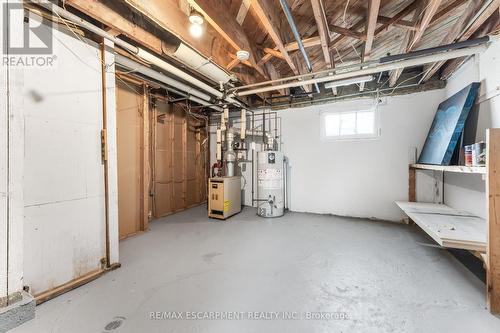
376 69
143 54
297 37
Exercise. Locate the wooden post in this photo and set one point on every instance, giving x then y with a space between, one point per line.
493 211
412 194
184 158
171 124
145 160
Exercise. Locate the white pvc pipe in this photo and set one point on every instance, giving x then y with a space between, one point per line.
138 51
135 66
373 70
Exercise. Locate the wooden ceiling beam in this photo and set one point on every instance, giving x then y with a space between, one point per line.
274 53
371 24
243 11
233 63
324 33
453 34
217 15
169 16
348 32
270 20
412 38
429 12
397 18
399 23
447 11
293 46
492 9
361 11
101 12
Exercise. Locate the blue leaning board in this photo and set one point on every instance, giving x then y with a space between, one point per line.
447 126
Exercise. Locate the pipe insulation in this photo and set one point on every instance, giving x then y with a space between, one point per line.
417 61
143 54
136 67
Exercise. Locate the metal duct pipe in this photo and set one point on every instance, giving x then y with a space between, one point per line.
376 69
143 54
297 37
230 155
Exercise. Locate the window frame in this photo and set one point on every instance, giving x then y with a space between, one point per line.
352 137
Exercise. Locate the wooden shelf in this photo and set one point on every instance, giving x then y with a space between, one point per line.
447 226
450 168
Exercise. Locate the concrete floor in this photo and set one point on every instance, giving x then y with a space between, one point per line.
381 275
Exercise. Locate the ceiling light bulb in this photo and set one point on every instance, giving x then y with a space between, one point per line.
196 30
196 18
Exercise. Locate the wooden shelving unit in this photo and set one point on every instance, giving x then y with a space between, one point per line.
453 228
449 168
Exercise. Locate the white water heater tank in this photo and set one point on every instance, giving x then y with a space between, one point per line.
270 184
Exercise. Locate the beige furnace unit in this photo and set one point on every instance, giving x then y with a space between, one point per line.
224 197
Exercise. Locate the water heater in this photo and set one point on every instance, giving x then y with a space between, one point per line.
270 184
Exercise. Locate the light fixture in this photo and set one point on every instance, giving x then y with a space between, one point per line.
242 55
195 17
196 23
196 30
347 82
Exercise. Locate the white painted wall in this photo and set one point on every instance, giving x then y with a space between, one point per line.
64 177
467 192
3 171
359 178
11 164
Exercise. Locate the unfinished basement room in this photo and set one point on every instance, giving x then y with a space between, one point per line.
250 166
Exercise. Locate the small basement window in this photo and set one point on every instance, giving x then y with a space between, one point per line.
361 124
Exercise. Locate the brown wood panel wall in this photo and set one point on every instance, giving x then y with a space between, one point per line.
130 136
179 174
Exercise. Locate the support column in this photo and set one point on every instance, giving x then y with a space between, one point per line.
493 218
111 165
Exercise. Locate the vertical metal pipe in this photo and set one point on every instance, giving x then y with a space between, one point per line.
297 37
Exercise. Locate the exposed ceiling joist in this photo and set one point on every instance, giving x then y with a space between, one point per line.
447 11
396 18
491 8
101 12
293 46
411 39
274 53
348 32
219 18
371 24
322 26
243 11
453 34
324 33
169 16
267 16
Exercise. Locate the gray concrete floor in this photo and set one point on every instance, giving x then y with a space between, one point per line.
381 275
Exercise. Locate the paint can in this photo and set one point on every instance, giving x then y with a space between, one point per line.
479 154
468 155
